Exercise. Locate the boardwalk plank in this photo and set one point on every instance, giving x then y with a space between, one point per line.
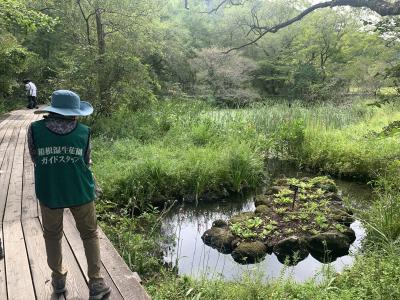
128 283
14 196
74 240
41 273
3 128
18 276
4 120
8 133
4 181
7 151
29 202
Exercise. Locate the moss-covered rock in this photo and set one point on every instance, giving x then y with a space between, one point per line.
241 217
276 189
333 197
219 224
351 235
261 209
328 246
341 216
260 200
219 238
249 252
282 181
291 250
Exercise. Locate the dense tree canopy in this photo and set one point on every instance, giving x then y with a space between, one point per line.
127 54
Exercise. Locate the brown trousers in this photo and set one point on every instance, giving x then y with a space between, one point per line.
86 222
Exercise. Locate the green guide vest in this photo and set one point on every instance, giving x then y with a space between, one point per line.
62 178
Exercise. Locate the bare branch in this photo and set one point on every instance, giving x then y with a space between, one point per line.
224 2
247 44
382 7
86 18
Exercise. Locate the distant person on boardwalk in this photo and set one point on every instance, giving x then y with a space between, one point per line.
60 149
31 92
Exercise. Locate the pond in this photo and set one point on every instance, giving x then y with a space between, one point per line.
187 222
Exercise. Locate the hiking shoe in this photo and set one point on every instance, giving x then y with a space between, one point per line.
58 285
97 290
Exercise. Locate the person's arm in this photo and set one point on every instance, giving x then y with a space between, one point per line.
88 159
31 144
28 89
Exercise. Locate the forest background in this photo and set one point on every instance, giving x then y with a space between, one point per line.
180 115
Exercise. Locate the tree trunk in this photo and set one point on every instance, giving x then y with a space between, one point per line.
100 33
102 108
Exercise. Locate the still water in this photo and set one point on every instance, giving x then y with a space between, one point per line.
187 222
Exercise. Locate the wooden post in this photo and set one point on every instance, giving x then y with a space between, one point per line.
294 188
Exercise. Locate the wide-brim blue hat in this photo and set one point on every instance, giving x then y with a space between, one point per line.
67 103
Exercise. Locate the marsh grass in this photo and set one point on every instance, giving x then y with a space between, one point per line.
352 151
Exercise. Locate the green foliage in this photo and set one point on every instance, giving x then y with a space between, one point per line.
13 61
246 229
16 12
394 74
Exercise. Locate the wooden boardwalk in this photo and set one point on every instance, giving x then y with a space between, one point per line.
24 273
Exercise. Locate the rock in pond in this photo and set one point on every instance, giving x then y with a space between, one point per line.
351 235
260 200
219 224
219 238
291 250
249 252
261 209
326 247
342 216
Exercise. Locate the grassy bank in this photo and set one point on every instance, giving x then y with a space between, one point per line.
192 151
176 155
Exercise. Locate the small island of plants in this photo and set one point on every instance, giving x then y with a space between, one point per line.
292 219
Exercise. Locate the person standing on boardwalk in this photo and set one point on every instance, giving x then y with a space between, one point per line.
60 149
31 92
